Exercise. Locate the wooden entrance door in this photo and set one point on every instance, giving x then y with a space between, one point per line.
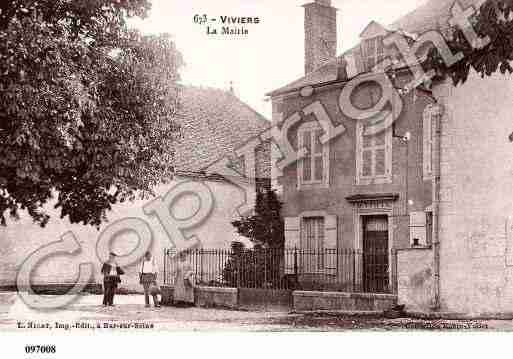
375 254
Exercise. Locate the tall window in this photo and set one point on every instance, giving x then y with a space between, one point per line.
312 242
374 156
313 168
373 52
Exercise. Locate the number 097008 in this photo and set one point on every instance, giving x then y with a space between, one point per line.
40 349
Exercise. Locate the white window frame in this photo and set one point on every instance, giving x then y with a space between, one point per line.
373 178
376 56
301 183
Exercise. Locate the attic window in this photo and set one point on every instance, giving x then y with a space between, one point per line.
373 52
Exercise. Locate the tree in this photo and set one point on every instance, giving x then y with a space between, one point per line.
493 19
86 107
265 228
260 266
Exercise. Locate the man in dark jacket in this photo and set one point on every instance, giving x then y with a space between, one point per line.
111 278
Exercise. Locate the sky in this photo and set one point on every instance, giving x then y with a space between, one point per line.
271 55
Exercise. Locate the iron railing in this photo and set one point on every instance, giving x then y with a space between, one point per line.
347 270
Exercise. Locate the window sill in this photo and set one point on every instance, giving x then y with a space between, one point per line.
413 248
312 186
372 181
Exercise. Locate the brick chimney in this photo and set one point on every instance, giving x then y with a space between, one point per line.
320 34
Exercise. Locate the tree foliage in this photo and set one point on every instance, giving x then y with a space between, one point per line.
261 265
86 107
265 228
494 19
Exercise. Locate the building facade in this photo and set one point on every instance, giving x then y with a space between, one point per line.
432 190
367 193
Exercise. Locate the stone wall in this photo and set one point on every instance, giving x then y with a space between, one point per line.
336 301
415 278
210 297
476 204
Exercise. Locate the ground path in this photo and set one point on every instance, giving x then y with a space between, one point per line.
129 309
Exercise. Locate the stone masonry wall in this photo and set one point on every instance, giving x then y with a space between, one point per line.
415 279
476 202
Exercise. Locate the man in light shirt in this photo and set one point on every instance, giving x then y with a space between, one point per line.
148 278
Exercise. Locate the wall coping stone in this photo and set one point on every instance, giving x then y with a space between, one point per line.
345 295
342 313
218 290
412 249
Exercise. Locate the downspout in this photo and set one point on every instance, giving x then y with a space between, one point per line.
437 151
436 206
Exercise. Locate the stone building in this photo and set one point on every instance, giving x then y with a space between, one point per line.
429 188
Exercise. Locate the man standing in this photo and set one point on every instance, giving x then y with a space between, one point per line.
148 278
111 278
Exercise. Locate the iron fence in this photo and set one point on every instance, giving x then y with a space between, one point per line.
347 270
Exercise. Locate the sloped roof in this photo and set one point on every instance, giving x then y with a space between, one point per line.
213 124
433 15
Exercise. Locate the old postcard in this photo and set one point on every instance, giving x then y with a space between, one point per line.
266 166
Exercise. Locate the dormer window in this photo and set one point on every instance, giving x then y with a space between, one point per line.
373 52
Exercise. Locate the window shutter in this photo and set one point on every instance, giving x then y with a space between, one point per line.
330 244
359 60
319 156
418 228
292 235
352 70
307 160
427 126
388 153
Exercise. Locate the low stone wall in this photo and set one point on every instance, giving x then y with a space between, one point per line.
268 300
302 301
212 297
415 278
166 295
208 297
335 301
